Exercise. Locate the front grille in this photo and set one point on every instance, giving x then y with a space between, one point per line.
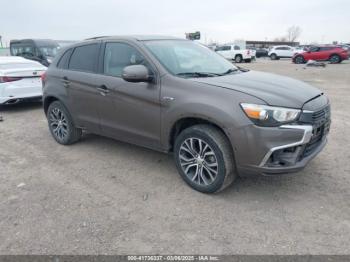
320 120
322 116
316 118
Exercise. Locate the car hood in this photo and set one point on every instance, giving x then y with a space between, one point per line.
275 90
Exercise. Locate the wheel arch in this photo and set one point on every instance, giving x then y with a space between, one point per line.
49 100
185 122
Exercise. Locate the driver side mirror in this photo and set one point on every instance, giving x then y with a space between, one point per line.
136 73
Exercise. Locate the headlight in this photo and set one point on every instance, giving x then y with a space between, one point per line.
263 115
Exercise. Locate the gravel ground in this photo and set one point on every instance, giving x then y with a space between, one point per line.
101 196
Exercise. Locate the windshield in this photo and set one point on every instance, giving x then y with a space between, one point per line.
189 59
50 51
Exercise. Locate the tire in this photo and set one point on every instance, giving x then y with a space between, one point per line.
273 57
334 59
248 60
61 124
238 59
299 59
208 171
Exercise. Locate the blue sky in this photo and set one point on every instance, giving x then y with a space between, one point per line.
220 20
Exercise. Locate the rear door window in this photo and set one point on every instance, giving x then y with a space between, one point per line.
84 58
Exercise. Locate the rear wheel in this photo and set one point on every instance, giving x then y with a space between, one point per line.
61 124
299 59
238 59
204 158
334 59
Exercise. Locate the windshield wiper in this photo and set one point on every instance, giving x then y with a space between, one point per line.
198 74
231 70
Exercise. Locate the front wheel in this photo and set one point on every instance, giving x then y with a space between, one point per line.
273 57
204 158
61 124
299 60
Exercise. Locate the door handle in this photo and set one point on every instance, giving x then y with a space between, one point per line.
103 90
65 81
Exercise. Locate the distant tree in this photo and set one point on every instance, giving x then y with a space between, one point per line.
280 39
293 33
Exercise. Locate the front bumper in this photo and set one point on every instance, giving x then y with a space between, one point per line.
278 150
287 158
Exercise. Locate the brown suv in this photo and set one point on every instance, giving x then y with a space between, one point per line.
178 96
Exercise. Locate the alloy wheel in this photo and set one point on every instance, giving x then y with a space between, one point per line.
334 59
299 60
198 161
58 123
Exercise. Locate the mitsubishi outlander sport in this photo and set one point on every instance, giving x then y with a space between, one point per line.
175 95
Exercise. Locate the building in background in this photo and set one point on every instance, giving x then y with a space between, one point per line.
268 44
4 51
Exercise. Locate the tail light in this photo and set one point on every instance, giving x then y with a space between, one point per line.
43 77
5 79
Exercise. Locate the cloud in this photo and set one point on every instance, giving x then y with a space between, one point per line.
222 20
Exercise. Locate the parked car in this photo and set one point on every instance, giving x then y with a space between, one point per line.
175 95
40 50
19 79
259 52
235 53
334 54
281 51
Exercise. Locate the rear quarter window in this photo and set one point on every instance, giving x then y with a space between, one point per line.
84 58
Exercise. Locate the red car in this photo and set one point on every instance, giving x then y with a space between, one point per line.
334 54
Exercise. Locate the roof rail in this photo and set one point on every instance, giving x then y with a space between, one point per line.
96 37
